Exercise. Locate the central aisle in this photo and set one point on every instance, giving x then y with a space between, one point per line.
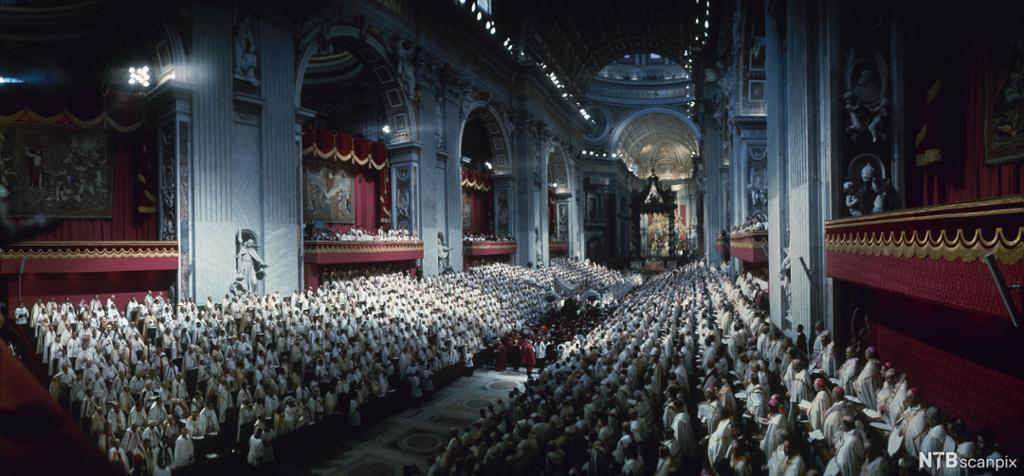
412 436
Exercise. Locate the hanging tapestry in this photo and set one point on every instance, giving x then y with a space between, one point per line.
467 212
330 193
60 173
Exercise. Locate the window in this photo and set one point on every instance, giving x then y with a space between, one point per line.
484 6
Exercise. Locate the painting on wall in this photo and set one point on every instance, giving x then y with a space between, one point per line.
330 193
1004 95
59 173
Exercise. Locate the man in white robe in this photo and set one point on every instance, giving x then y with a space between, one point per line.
720 441
822 402
184 451
869 380
850 455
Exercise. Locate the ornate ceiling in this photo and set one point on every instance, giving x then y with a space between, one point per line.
577 38
658 142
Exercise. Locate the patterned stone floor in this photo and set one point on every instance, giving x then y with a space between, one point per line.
410 437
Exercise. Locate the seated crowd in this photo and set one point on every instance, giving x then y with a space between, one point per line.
159 386
687 376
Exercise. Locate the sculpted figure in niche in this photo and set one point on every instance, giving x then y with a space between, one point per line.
245 51
853 198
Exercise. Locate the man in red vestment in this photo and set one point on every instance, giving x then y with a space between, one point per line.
529 357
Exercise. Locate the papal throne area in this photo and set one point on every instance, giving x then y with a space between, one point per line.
511 237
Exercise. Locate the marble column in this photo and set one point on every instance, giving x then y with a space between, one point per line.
405 193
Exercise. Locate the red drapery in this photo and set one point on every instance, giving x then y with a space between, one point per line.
552 212
955 121
476 190
476 179
371 173
81 106
331 145
122 113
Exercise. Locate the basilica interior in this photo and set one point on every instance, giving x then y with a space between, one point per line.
469 237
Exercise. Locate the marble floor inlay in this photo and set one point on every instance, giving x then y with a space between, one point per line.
412 436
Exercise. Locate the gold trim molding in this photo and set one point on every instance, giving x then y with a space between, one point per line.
1008 251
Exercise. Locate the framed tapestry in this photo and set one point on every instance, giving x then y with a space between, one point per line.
60 173
1004 94
467 212
329 193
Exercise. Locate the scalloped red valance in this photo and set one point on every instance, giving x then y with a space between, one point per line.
331 145
476 179
121 110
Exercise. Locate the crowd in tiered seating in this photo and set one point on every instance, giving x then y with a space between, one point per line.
358 234
159 386
687 376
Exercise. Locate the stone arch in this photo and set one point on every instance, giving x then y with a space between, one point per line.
624 121
497 135
374 55
558 169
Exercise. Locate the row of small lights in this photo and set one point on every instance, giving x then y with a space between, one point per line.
594 153
707 23
565 94
512 49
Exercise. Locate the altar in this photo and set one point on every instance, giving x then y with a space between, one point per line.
657 227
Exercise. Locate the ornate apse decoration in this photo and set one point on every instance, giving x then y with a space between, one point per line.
246 55
249 265
867 188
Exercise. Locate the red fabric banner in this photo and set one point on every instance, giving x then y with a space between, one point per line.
331 145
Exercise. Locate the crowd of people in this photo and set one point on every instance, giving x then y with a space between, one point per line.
358 234
485 237
684 374
687 376
159 386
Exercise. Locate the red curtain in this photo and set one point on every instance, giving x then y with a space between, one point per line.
476 187
959 387
955 125
552 212
366 184
333 145
126 223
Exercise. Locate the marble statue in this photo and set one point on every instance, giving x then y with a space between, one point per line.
443 252
853 198
538 243
245 51
405 57
249 266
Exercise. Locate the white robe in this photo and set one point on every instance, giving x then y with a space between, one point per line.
850 456
255 456
184 452
683 431
772 438
718 444
822 402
